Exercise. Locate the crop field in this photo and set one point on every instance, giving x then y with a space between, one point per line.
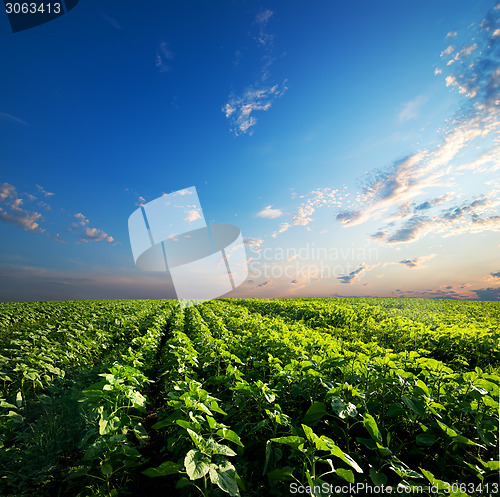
348 397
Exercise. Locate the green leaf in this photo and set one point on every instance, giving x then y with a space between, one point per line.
346 474
212 447
77 473
17 418
106 469
273 455
224 476
377 478
425 439
230 435
371 425
338 452
490 465
196 464
342 409
281 474
414 404
165 468
315 413
197 439
215 407
420 384
108 425
442 485
395 409
400 468
293 441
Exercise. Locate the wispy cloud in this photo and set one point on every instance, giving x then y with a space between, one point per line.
4 115
474 64
270 213
163 56
41 189
415 263
314 200
411 109
111 20
254 243
476 73
496 275
357 273
241 107
470 217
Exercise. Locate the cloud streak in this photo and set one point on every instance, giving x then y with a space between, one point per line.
241 107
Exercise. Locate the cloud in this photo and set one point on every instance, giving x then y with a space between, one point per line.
42 190
316 199
410 110
356 273
239 109
417 261
11 211
495 275
471 217
476 74
111 21
488 161
4 115
88 234
353 275
264 39
163 54
254 243
488 293
270 213
266 283
22 218
192 215
475 69
259 96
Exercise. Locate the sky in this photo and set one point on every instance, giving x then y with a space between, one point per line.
355 144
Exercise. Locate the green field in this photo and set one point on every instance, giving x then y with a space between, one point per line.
249 397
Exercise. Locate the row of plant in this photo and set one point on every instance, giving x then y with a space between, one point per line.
461 342
47 419
254 402
240 397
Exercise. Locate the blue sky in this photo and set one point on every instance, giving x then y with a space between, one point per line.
355 144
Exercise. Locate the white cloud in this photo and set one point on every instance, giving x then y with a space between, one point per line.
88 234
410 110
270 213
13 213
259 96
192 215
163 54
239 110
42 190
